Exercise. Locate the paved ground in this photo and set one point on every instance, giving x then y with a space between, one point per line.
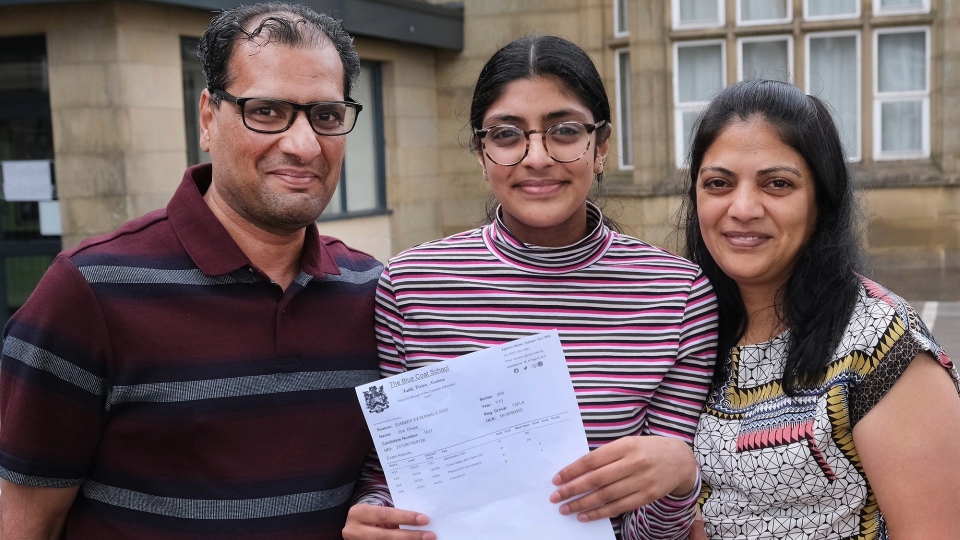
936 296
943 318
916 286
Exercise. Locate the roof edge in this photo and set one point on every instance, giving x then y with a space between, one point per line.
405 21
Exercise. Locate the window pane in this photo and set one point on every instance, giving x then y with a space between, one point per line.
767 60
24 74
361 161
193 84
698 11
900 4
334 206
699 72
26 130
26 133
834 78
826 8
623 16
22 275
902 125
902 62
762 10
626 117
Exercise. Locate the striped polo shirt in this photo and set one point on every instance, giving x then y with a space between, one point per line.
186 394
637 324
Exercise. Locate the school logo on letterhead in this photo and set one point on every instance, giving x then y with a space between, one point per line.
376 399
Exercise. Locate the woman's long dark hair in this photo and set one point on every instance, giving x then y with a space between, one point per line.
542 56
817 300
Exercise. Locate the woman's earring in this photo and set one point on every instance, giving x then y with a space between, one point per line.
485 177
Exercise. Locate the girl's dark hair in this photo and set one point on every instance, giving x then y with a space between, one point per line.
542 56
817 300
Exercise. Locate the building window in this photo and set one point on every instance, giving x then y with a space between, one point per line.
820 10
362 187
751 12
29 209
766 57
624 110
697 13
193 84
901 102
621 18
833 74
892 122
699 73
900 7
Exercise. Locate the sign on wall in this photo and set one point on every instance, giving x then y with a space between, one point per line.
27 180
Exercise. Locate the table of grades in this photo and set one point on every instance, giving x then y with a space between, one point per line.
465 439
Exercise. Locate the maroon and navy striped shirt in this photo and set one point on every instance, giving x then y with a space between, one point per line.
186 394
637 324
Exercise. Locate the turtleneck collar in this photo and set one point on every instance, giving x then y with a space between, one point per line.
549 260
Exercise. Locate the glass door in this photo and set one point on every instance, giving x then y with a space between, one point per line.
29 211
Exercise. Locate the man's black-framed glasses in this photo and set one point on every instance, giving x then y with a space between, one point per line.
268 115
564 142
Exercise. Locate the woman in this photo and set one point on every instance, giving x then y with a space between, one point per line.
835 413
637 324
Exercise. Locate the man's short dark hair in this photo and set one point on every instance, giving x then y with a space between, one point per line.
293 25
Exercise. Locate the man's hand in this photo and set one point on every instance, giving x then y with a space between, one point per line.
33 513
368 522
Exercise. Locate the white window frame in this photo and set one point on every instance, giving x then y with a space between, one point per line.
346 206
891 97
808 17
624 125
678 25
788 18
760 39
879 12
616 19
690 106
807 78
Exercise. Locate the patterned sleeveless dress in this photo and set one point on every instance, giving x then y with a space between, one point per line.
781 467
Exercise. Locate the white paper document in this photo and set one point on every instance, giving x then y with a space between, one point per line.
474 442
28 180
50 218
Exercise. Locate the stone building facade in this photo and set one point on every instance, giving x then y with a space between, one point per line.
106 92
910 189
120 87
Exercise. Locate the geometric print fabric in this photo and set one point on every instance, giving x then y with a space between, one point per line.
776 466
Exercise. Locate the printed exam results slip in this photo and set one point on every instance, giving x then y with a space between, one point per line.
474 442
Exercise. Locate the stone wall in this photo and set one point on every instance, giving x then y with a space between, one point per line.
116 103
412 133
116 98
912 208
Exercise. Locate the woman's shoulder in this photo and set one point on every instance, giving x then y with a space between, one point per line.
880 303
882 322
888 333
878 317
914 327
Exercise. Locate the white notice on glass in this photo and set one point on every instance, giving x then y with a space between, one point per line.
50 218
28 180
474 442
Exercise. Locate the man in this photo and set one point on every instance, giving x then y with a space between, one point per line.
191 374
